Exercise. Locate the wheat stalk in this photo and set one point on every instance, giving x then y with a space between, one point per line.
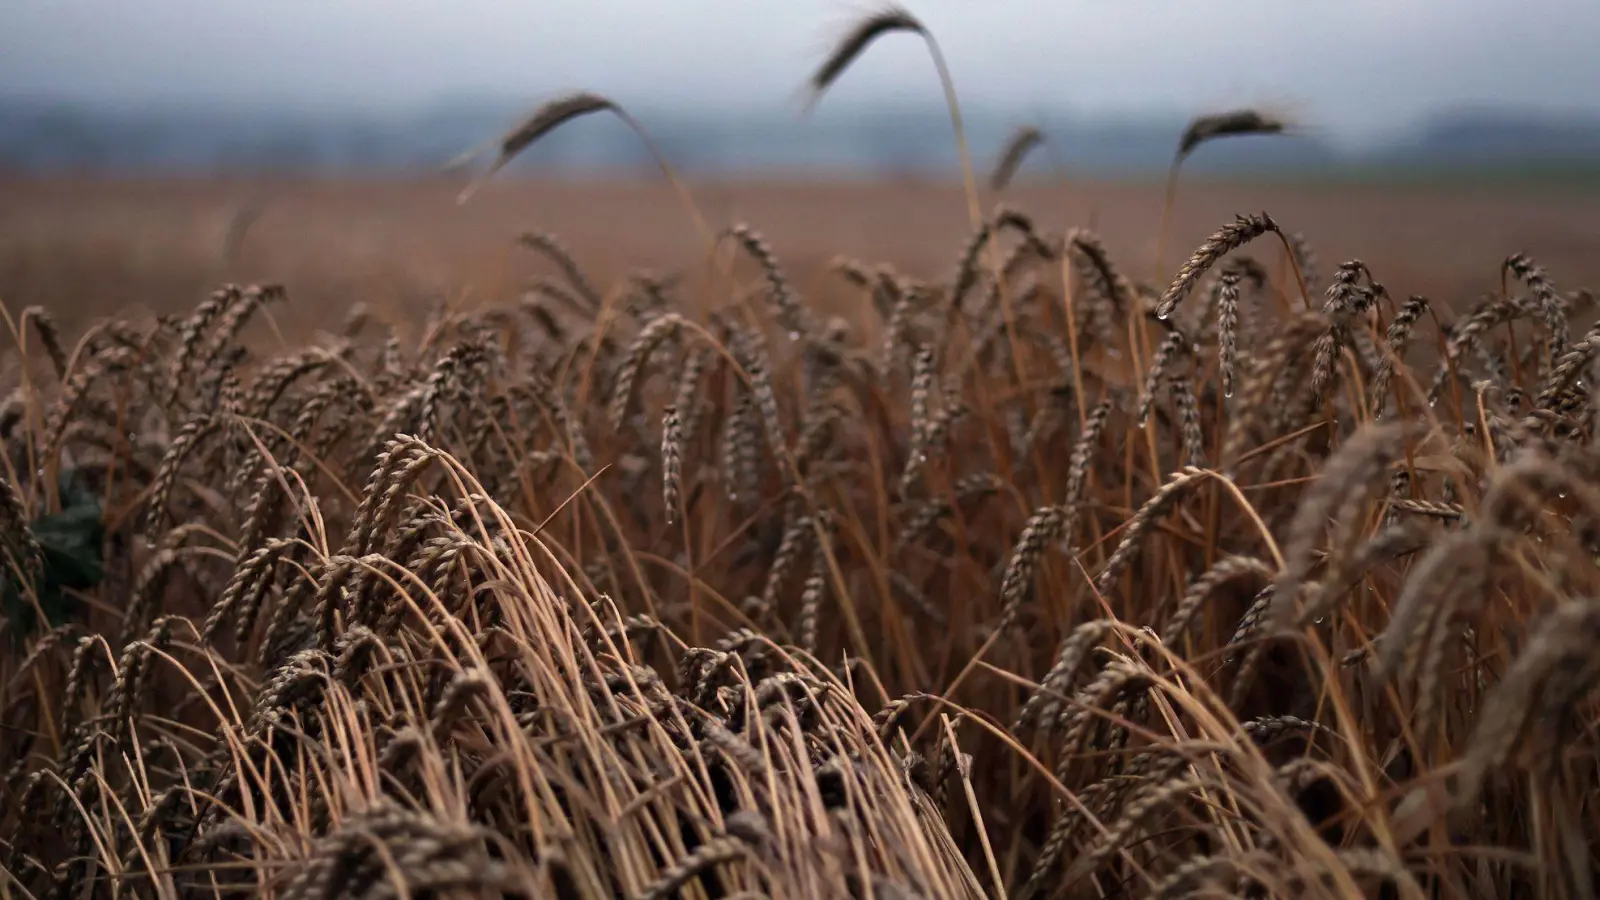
893 19
1200 130
1016 148
1242 230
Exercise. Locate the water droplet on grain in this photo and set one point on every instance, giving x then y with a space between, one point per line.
1433 402
794 335
1163 315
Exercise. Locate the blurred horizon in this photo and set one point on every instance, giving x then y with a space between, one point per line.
347 85
907 140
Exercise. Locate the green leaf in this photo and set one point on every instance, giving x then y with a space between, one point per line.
72 542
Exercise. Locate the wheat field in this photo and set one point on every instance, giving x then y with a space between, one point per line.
1047 574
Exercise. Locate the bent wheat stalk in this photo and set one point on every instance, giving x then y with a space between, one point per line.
854 42
552 115
1200 130
1012 153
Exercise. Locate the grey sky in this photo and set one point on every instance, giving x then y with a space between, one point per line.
1350 67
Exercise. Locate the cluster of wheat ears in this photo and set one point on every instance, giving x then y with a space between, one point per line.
1041 581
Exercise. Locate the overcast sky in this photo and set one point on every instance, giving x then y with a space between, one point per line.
1347 67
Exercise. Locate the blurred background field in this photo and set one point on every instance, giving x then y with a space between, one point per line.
82 246
133 140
